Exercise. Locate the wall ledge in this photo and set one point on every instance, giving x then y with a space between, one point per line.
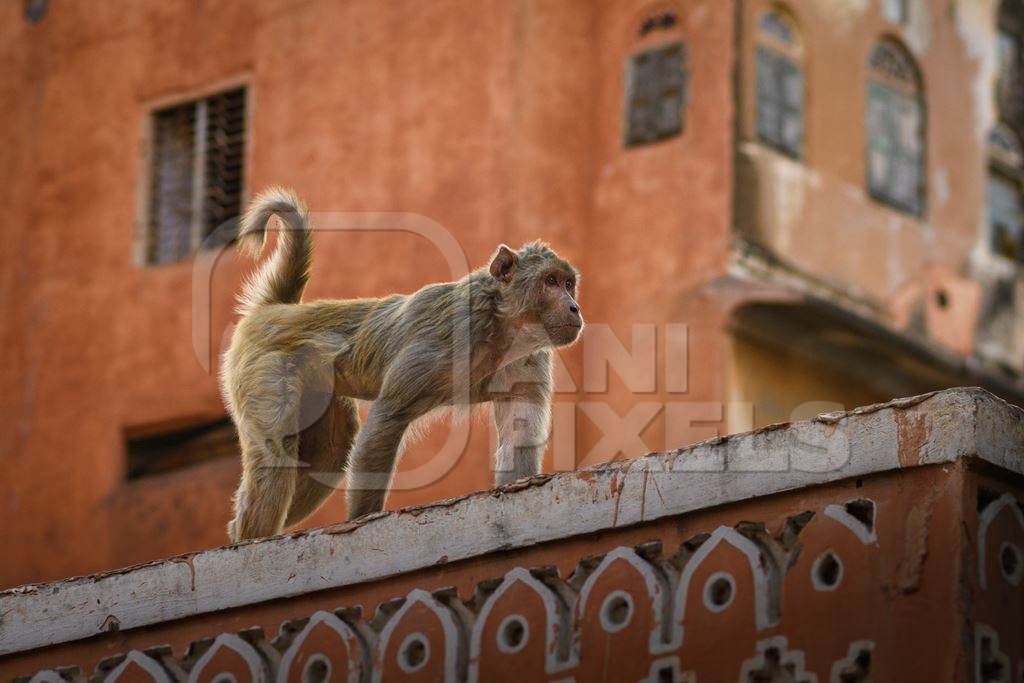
936 428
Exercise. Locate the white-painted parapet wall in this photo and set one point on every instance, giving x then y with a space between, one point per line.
935 428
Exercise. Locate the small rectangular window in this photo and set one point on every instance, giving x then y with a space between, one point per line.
779 102
655 94
195 183
175 449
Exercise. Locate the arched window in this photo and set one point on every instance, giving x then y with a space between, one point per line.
895 129
1005 210
780 84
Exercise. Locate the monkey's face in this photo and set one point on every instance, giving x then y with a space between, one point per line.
539 289
559 312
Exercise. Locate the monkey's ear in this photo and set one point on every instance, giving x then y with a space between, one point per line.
503 265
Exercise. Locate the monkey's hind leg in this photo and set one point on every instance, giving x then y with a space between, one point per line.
324 449
267 488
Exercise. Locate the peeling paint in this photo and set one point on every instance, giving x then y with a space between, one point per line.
110 625
187 560
643 494
918 32
848 12
911 567
940 186
617 484
976 25
879 438
912 433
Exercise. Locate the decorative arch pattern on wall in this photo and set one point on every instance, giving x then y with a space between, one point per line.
655 589
329 642
566 626
565 634
229 656
143 666
552 634
415 628
759 567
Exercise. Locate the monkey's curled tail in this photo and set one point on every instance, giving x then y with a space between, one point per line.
282 277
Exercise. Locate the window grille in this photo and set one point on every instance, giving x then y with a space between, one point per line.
196 182
895 128
655 94
780 86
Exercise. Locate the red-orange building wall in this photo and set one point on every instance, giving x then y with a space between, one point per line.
500 121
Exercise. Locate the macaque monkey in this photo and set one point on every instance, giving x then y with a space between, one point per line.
293 371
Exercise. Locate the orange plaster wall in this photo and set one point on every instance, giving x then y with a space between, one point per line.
498 120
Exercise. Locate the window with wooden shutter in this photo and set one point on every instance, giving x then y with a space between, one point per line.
196 175
655 94
895 129
780 85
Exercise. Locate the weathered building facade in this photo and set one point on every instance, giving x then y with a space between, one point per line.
778 209
885 544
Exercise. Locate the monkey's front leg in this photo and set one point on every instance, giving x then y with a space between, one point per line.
375 454
522 436
523 417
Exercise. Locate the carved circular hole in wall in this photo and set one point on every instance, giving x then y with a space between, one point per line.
414 653
225 678
827 572
513 632
317 670
617 611
1011 563
719 590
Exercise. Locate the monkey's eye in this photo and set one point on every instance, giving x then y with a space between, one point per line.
569 284
552 280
